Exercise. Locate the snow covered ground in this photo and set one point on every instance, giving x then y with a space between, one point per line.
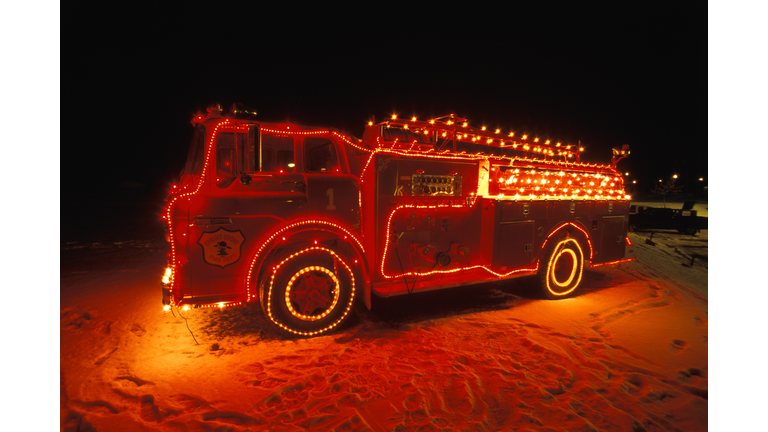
629 353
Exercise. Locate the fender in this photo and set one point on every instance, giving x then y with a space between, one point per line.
563 226
292 235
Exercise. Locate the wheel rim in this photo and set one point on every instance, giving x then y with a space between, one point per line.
312 293
281 311
565 267
565 264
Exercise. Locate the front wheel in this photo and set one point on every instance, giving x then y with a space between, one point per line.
309 292
561 268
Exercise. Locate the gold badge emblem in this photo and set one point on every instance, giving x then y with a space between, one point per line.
221 247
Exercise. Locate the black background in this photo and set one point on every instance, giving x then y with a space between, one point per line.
604 77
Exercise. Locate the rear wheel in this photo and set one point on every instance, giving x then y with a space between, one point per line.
561 268
309 292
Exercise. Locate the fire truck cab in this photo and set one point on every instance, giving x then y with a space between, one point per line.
305 221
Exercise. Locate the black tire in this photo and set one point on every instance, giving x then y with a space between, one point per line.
309 292
690 230
561 268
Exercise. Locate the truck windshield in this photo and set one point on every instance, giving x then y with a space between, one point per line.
194 164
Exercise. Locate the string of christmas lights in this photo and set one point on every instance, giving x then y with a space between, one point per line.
526 179
327 311
387 243
482 135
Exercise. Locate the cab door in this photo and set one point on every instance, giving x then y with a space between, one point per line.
262 190
332 193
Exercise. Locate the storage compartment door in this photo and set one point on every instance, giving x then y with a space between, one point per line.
513 245
612 241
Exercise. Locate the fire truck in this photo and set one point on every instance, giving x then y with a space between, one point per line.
307 220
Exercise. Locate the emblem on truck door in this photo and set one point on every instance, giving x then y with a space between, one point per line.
221 247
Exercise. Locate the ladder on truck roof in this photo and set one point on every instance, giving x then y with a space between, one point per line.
450 128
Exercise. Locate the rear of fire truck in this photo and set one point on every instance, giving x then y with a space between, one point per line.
456 205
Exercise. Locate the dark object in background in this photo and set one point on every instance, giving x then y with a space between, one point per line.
683 220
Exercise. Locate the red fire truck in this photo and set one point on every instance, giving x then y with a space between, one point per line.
306 220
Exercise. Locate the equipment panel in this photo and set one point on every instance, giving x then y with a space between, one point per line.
435 185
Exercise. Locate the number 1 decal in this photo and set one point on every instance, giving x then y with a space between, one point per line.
330 205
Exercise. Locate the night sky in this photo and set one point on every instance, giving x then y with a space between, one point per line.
604 78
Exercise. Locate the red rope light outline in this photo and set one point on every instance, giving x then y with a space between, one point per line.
404 153
169 207
500 275
282 229
578 227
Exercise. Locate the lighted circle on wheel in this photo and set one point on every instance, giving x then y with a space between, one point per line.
308 291
573 268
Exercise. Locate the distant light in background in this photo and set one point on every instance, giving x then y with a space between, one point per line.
626 173
701 178
674 176
634 181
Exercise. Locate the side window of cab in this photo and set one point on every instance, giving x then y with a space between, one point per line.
277 154
252 152
320 155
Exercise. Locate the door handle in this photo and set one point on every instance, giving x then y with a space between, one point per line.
299 185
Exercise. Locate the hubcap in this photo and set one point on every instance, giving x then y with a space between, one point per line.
312 293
